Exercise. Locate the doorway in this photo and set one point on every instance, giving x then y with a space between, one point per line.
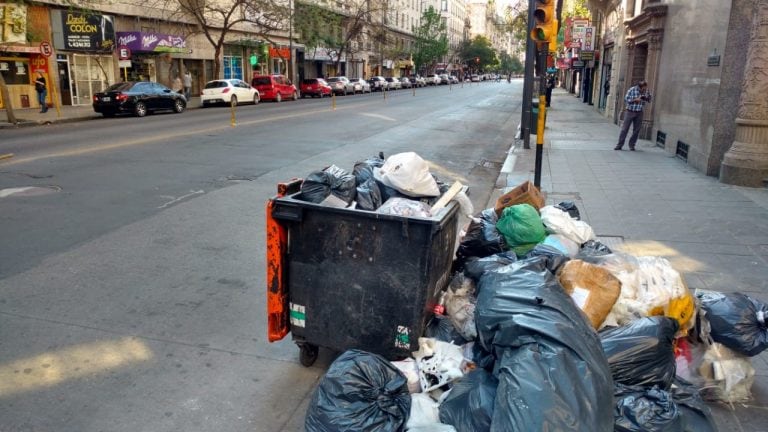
65 90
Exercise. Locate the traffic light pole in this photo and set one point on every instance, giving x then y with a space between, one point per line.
530 53
543 53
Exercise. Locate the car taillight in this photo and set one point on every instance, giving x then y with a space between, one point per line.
121 97
226 90
95 98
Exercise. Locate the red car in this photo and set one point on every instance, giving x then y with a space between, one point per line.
274 87
315 87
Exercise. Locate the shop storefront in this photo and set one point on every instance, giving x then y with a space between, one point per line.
321 62
232 62
152 56
84 61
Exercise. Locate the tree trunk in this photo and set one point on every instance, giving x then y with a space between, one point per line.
217 62
7 101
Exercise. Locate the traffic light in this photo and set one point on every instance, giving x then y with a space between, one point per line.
544 23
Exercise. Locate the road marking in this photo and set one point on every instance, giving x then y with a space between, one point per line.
12 191
383 117
175 200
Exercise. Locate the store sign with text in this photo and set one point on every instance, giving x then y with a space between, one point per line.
87 32
152 42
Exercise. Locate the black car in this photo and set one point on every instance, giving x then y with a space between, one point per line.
138 98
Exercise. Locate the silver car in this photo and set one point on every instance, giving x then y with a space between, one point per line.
405 82
341 85
394 83
361 85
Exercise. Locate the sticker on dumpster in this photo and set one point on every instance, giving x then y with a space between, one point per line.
298 315
403 337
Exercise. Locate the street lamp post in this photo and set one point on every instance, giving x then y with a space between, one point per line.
290 42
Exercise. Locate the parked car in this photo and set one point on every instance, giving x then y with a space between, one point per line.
228 91
444 79
138 98
474 78
361 85
315 87
378 83
393 83
454 79
274 87
341 85
405 82
433 79
418 80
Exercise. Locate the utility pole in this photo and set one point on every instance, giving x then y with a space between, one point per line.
543 53
530 54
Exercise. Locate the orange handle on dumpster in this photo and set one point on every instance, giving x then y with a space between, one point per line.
278 323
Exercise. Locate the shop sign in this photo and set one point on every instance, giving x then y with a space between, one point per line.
578 64
562 63
38 63
587 55
87 32
13 23
281 52
152 42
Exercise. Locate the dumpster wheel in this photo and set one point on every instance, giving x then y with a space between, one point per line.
307 354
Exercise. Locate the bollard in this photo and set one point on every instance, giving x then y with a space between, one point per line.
414 90
233 123
333 101
384 92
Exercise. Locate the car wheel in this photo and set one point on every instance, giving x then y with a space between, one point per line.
178 106
295 95
140 109
256 99
205 104
233 100
278 98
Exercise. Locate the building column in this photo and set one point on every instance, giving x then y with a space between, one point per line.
746 162
653 61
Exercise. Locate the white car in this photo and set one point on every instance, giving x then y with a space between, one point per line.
361 85
433 79
228 91
341 85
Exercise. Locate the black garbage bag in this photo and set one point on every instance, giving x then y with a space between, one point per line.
639 409
389 192
593 248
342 183
469 405
737 320
697 417
556 257
570 208
316 187
475 267
360 392
482 358
368 195
441 328
364 170
642 352
553 374
482 238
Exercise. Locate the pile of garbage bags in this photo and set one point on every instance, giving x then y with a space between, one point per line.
400 185
542 327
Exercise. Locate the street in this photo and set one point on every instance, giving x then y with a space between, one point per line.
132 293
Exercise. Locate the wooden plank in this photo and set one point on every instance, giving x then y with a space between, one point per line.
447 197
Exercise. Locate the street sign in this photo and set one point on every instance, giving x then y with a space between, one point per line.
45 48
587 55
123 53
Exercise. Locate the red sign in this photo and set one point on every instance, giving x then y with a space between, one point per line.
38 63
283 52
45 48
123 53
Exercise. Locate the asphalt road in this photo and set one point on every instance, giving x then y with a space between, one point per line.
132 296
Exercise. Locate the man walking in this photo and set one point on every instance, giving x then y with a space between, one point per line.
187 84
636 98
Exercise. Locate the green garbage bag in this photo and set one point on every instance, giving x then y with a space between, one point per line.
521 227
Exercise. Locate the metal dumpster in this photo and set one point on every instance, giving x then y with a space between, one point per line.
343 278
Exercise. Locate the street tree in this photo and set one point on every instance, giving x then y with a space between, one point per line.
478 53
510 64
431 40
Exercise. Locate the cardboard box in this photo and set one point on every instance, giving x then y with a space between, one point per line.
525 193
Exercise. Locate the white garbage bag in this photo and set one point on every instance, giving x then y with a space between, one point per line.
409 174
557 221
439 363
424 411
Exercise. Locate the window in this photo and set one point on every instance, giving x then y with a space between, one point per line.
15 70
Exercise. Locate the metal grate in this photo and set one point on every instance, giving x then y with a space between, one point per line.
682 150
661 139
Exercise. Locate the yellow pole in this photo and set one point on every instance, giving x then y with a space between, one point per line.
54 98
232 120
540 123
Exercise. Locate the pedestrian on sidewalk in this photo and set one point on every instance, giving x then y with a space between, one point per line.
636 98
551 83
42 91
187 84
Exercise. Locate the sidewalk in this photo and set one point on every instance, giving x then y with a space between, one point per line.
648 202
68 113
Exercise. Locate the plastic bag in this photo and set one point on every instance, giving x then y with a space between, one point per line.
363 171
570 208
569 247
559 222
368 195
434 427
521 227
441 328
553 374
593 289
555 257
482 237
642 352
736 321
405 207
594 248
469 405
424 411
697 417
411 372
641 409
475 267
409 174
460 306
439 363
728 375
332 180
360 391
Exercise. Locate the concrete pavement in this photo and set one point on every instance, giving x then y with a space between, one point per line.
648 202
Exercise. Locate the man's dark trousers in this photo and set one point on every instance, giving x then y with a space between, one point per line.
634 118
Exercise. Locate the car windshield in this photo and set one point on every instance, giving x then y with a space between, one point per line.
309 81
123 86
216 84
262 81
334 79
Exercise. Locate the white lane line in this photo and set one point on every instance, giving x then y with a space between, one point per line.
175 200
383 117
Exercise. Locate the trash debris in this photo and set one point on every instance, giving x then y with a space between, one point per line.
697 417
737 321
570 208
409 174
594 248
460 306
368 195
482 238
593 289
332 180
569 247
475 267
363 171
524 193
559 222
441 328
728 375
555 257
411 372
642 352
424 411
521 227
439 363
640 409
405 207
360 391
469 404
